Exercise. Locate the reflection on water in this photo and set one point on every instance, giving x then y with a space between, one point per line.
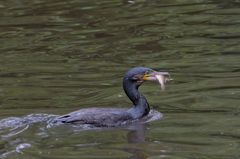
137 136
59 56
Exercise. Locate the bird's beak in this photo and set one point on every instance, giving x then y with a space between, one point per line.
161 77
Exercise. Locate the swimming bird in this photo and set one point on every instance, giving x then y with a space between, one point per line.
110 117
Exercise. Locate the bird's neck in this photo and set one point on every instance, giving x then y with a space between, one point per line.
141 107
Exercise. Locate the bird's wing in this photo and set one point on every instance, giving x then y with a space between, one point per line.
96 116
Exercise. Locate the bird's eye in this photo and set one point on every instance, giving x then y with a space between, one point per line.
148 72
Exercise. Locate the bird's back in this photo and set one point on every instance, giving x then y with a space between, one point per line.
97 117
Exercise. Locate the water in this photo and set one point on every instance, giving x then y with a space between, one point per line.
59 56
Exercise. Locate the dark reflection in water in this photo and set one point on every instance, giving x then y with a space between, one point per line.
137 136
59 56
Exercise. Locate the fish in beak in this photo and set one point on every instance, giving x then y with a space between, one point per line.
161 77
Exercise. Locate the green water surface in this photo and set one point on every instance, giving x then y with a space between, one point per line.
58 56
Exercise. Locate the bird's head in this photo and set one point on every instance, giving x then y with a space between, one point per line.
141 74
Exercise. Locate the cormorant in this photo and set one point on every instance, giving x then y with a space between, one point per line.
109 117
